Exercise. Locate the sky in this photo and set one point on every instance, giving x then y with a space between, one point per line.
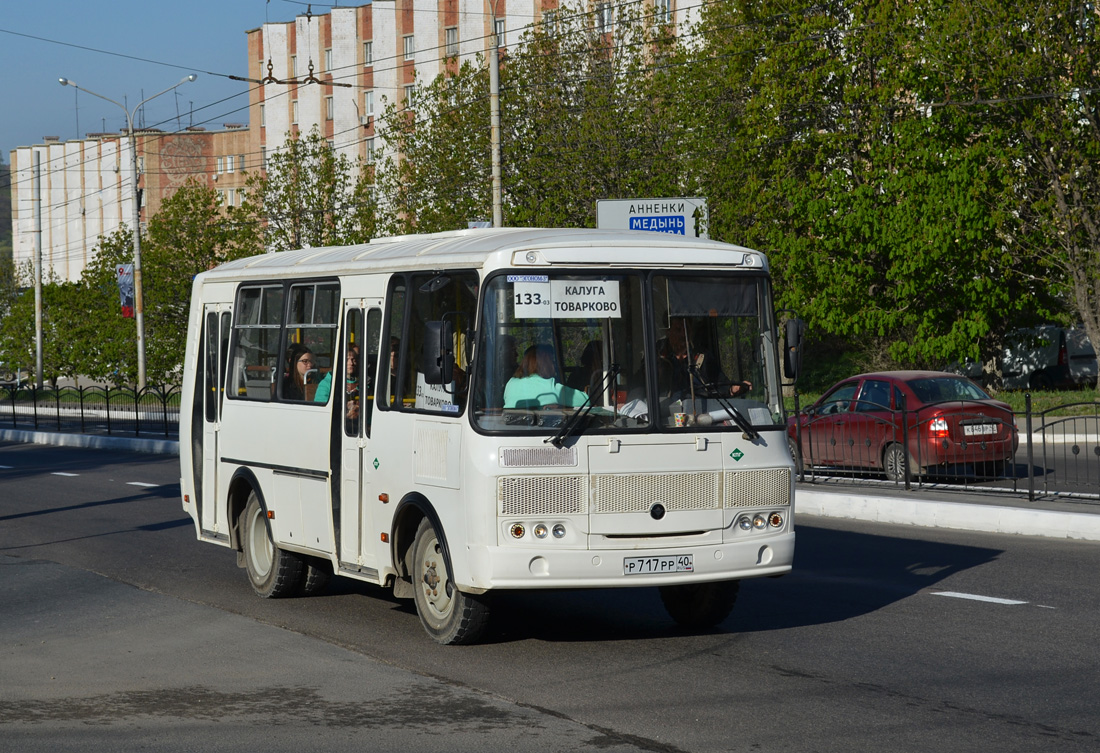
126 50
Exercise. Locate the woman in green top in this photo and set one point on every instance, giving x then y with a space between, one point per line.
534 385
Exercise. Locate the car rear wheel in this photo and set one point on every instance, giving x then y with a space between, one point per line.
893 462
796 454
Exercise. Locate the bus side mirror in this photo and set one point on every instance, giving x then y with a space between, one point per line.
794 329
437 358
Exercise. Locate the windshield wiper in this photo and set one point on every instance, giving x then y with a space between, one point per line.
586 407
711 390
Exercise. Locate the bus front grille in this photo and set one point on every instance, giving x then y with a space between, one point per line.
638 492
768 487
542 495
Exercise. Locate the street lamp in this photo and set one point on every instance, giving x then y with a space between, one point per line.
139 301
494 116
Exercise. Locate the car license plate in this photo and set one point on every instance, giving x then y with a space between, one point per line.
973 430
672 563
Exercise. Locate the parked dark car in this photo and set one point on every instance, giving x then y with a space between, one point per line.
949 424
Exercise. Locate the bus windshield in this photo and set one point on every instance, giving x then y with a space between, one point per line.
638 352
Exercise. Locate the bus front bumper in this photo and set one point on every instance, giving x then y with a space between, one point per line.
548 567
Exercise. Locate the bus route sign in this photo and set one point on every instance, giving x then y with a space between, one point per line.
679 216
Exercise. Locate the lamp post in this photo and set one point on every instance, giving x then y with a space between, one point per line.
139 302
494 117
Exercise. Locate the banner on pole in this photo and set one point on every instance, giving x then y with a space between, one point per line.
124 274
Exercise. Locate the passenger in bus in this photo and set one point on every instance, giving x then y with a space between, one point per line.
351 383
679 362
534 384
300 362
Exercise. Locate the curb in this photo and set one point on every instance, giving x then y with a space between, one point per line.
93 441
956 515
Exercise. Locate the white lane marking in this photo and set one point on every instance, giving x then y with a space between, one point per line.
62 473
139 483
976 597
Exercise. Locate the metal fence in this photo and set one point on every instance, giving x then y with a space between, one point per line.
153 411
955 443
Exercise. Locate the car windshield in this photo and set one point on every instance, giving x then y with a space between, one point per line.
551 344
939 389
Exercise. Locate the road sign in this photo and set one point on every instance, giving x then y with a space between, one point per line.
680 216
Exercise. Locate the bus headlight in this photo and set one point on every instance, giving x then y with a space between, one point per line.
776 520
541 531
559 531
759 522
745 523
517 530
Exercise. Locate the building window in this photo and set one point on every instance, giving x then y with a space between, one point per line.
328 59
263 117
328 108
500 33
294 66
410 102
294 112
663 11
240 162
604 17
263 157
410 46
219 165
549 22
368 103
229 164
451 36
229 195
368 53
370 151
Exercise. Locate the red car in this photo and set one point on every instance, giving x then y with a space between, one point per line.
865 421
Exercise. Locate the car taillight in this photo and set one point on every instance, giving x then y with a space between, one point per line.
937 427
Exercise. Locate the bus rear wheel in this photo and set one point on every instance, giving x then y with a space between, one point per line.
273 573
448 615
698 606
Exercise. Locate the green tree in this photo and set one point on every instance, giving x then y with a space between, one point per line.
435 170
586 116
309 197
813 141
190 234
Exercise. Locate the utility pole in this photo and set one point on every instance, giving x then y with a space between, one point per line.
36 199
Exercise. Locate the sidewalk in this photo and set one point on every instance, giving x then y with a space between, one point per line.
928 507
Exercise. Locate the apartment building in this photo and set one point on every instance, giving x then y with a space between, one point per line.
85 189
335 70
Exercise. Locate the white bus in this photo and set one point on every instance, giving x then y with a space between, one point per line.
449 415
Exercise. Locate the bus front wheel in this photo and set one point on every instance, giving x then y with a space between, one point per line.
698 606
273 573
449 616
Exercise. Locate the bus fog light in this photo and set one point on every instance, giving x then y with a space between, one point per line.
541 531
775 520
559 531
744 523
517 530
759 522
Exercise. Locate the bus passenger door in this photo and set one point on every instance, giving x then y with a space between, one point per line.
216 330
362 328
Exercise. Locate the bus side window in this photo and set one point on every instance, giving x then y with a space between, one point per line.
370 364
257 326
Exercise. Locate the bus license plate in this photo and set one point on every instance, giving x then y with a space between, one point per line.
673 563
972 430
